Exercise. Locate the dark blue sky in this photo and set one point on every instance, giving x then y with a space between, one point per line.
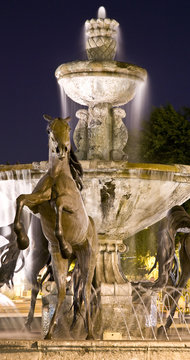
38 36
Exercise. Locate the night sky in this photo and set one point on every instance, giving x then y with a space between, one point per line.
37 36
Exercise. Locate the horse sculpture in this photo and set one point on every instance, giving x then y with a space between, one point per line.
65 223
178 220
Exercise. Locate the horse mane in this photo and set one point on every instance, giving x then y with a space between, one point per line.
76 169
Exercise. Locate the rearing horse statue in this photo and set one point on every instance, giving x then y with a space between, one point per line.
65 223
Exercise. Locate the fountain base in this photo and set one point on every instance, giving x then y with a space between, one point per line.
90 350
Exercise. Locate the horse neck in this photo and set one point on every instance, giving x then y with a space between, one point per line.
57 166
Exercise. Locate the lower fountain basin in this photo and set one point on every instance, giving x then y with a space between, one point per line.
122 198
125 198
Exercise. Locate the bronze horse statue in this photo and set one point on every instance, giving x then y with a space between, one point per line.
178 220
65 223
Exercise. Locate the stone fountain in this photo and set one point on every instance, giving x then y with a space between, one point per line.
122 198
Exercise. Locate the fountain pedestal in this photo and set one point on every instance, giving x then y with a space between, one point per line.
108 270
101 133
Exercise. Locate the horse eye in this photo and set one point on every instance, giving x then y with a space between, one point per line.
48 131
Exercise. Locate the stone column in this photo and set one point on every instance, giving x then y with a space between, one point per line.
119 135
80 135
101 133
108 270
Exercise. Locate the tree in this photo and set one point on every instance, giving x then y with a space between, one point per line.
165 137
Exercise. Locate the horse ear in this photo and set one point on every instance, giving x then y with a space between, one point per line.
67 119
47 117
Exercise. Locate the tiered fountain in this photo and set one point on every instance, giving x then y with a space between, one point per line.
122 198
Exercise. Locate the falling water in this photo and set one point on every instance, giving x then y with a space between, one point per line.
12 184
11 320
68 108
138 109
121 51
64 103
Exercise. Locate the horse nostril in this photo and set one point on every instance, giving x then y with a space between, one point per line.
57 150
65 148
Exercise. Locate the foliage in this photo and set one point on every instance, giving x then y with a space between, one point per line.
164 138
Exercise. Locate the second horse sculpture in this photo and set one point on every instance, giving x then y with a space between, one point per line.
65 223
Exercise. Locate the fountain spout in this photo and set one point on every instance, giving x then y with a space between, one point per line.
101 12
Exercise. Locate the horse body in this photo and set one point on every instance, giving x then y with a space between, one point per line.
65 223
73 211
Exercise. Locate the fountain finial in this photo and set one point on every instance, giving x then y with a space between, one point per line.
101 44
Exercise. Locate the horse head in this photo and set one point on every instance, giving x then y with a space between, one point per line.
59 135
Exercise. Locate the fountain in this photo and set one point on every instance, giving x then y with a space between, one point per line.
122 198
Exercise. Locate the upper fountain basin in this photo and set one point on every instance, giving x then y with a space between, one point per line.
92 82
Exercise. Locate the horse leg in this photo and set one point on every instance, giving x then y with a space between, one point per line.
175 296
60 268
65 247
22 238
37 257
87 265
185 274
30 316
40 194
87 261
77 297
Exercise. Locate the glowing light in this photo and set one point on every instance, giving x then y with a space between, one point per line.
101 12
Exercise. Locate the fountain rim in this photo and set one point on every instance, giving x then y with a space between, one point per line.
121 169
100 68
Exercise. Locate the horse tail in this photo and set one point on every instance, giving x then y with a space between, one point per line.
8 264
174 272
178 221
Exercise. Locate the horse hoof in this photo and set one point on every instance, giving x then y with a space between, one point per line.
23 242
27 327
162 332
90 337
48 337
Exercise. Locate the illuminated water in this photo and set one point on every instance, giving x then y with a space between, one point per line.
101 12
